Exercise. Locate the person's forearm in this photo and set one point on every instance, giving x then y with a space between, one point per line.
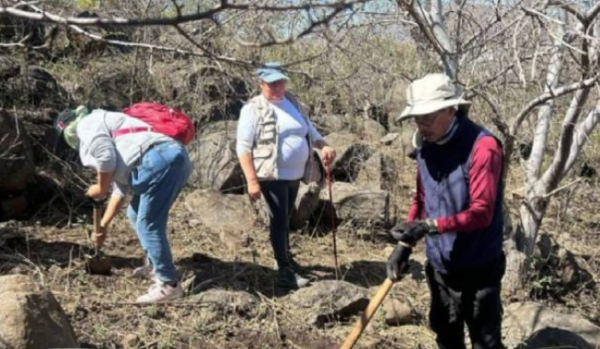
112 209
247 163
105 182
320 144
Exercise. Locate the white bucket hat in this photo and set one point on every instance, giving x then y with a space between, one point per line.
429 94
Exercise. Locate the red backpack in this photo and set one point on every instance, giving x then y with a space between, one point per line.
163 119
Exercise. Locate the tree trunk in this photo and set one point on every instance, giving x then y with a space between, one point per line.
521 246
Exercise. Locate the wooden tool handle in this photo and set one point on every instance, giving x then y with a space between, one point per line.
362 323
97 220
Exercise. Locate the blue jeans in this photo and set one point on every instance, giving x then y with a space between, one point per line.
156 183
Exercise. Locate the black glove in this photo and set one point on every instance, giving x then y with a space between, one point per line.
411 232
397 263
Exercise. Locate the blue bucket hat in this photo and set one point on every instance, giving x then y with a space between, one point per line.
271 72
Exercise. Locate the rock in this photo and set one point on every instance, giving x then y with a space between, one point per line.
16 158
390 138
528 322
216 165
544 246
237 302
351 153
560 263
373 130
9 68
362 205
31 317
15 29
130 341
229 127
226 213
37 87
378 172
107 83
328 300
306 204
569 271
13 206
397 313
515 269
211 95
555 338
10 235
330 123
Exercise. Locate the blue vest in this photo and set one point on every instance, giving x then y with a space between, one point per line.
444 174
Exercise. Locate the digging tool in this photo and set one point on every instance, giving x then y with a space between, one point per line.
374 304
98 263
329 189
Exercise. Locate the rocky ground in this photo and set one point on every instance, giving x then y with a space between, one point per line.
231 301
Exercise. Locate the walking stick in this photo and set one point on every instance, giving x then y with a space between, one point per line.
332 214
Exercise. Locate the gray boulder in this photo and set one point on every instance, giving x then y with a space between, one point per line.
326 301
532 325
31 317
215 162
351 153
16 157
306 204
228 213
360 204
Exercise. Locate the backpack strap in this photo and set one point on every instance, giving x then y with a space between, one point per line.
130 130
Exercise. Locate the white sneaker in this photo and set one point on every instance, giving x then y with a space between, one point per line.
159 293
145 272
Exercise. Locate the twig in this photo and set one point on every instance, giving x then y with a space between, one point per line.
559 189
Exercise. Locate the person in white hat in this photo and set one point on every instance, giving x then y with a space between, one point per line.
457 208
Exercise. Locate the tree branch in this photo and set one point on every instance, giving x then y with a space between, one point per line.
540 138
593 12
555 172
551 94
418 14
308 30
14 11
570 9
584 130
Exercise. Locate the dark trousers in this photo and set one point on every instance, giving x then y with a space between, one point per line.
471 297
280 197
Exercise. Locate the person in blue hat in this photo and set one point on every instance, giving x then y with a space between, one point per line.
275 140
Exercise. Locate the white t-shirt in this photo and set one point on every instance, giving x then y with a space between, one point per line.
292 130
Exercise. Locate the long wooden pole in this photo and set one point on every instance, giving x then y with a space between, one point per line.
362 323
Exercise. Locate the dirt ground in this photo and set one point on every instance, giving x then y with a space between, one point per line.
103 314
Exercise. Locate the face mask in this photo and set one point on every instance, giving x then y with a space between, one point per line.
70 132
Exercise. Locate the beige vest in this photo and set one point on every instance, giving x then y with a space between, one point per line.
266 137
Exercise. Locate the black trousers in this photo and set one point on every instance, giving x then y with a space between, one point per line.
471 297
280 197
